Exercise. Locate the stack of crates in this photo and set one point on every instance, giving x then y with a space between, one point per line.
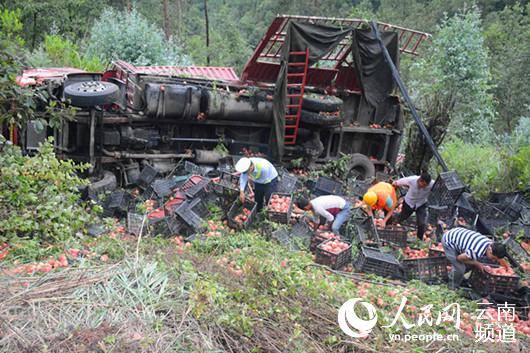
446 190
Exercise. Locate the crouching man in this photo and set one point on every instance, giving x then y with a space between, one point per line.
334 209
465 247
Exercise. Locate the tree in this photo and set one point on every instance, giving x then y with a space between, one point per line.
129 36
451 85
507 37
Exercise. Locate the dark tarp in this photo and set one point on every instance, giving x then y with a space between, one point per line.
373 72
320 40
374 75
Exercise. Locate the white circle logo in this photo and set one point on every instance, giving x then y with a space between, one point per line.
347 317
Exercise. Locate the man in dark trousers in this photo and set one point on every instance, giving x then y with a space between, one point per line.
419 187
464 247
262 173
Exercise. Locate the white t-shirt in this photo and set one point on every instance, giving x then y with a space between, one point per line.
328 206
415 196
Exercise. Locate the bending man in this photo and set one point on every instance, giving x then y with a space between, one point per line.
465 247
334 209
381 196
262 173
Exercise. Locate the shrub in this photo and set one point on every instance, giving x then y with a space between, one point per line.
481 167
128 36
39 197
520 168
57 51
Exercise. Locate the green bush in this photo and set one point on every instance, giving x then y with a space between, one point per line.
520 167
481 167
39 196
57 51
487 168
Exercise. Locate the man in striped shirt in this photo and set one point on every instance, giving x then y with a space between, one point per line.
465 247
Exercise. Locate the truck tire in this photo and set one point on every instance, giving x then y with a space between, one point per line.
91 93
361 166
322 103
316 119
106 182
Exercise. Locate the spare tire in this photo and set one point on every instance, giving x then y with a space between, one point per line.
321 103
361 167
91 93
317 119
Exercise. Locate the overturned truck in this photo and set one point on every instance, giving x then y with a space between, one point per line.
315 88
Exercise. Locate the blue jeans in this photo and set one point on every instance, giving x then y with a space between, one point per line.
341 217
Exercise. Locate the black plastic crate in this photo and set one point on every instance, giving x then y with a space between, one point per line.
520 300
485 283
335 261
280 217
447 189
359 187
491 225
134 223
283 237
358 214
440 213
366 233
286 183
372 260
118 200
515 207
302 233
428 269
163 187
186 215
237 209
198 190
327 186
156 226
393 235
518 228
146 177
318 239
516 253
174 225
198 207
193 168
525 215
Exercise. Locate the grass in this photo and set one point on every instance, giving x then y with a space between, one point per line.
235 293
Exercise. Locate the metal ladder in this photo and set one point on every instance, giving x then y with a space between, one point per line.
296 80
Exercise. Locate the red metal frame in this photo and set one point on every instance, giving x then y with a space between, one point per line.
263 66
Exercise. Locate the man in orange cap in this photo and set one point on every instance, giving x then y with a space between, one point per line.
381 196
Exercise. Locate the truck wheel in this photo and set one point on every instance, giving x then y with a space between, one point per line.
101 184
361 166
91 93
316 119
322 103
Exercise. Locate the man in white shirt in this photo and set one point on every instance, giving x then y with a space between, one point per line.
419 188
334 209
